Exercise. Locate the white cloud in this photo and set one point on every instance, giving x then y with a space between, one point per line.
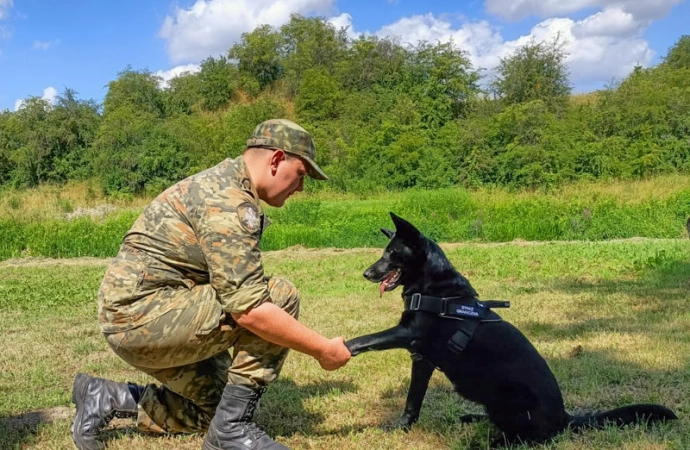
344 20
5 6
480 40
603 46
49 94
642 10
40 45
211 27
609 22
167 75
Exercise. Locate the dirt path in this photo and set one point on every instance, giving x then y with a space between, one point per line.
300 252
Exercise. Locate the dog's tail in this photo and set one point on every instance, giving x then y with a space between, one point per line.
624 415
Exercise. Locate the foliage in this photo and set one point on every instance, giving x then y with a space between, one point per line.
678 56
535 71
43 143
217 83
258 55
136 89
384 116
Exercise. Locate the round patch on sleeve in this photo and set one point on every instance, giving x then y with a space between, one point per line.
249 217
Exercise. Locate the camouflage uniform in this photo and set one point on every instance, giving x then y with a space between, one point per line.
164 305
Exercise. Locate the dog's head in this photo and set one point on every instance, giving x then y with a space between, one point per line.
403 258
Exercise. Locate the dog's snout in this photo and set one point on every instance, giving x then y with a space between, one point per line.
368 273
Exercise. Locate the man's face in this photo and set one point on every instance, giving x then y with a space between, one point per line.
288 174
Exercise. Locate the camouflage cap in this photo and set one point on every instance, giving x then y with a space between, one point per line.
285 135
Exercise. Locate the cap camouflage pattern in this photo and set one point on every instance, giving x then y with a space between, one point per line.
285 135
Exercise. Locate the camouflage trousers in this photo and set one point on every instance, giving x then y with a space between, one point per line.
194 351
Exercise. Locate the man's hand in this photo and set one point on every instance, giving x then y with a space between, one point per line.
335 355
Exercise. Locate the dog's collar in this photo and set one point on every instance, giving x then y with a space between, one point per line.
455 307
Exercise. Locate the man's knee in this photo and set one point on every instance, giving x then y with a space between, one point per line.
284 294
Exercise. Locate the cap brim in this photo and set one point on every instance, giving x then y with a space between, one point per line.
316 172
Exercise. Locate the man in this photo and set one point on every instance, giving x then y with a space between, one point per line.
188 285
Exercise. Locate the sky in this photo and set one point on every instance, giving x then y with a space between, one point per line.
47 46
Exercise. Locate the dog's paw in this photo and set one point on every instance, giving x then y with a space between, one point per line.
353 347
404 423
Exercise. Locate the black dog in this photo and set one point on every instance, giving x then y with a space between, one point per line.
488 360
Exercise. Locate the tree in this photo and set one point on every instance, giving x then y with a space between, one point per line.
218 78
536 71
442 79
137 89
309 43
182 95
73 125
319 95
258 55
371 61
678 56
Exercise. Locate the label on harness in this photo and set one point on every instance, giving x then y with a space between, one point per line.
469 311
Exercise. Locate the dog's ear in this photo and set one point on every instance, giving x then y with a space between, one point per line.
404 229
390 234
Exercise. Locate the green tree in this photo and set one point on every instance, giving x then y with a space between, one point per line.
441 78
218 79
319 96
6 139
678 56
137 89
73 125
258 55
535 71
371 61
182 95
309 43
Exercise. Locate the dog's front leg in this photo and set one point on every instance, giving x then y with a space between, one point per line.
396 337
422 369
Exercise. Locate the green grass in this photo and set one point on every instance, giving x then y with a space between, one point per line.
625 303
327 220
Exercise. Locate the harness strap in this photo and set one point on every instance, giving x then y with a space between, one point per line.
469 312
459 341
455 307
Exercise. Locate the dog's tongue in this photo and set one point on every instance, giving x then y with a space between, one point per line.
384 283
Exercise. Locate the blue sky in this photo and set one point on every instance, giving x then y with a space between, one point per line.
47 46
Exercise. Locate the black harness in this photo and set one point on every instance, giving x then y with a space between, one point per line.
470 313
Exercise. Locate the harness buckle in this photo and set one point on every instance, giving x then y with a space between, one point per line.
444 307
415 301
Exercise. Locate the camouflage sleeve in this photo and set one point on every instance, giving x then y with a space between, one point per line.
231 249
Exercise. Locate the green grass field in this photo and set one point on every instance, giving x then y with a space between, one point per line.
73 221
611 318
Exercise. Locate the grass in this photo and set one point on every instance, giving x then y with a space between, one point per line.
625 304
35 223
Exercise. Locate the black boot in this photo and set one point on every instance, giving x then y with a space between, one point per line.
232 427
98 401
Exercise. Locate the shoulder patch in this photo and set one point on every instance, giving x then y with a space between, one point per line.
249 217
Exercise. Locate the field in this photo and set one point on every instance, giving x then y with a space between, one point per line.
612 319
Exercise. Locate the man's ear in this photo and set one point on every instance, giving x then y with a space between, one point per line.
276 157
389 233
404 229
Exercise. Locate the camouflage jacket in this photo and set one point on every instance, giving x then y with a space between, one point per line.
204 229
